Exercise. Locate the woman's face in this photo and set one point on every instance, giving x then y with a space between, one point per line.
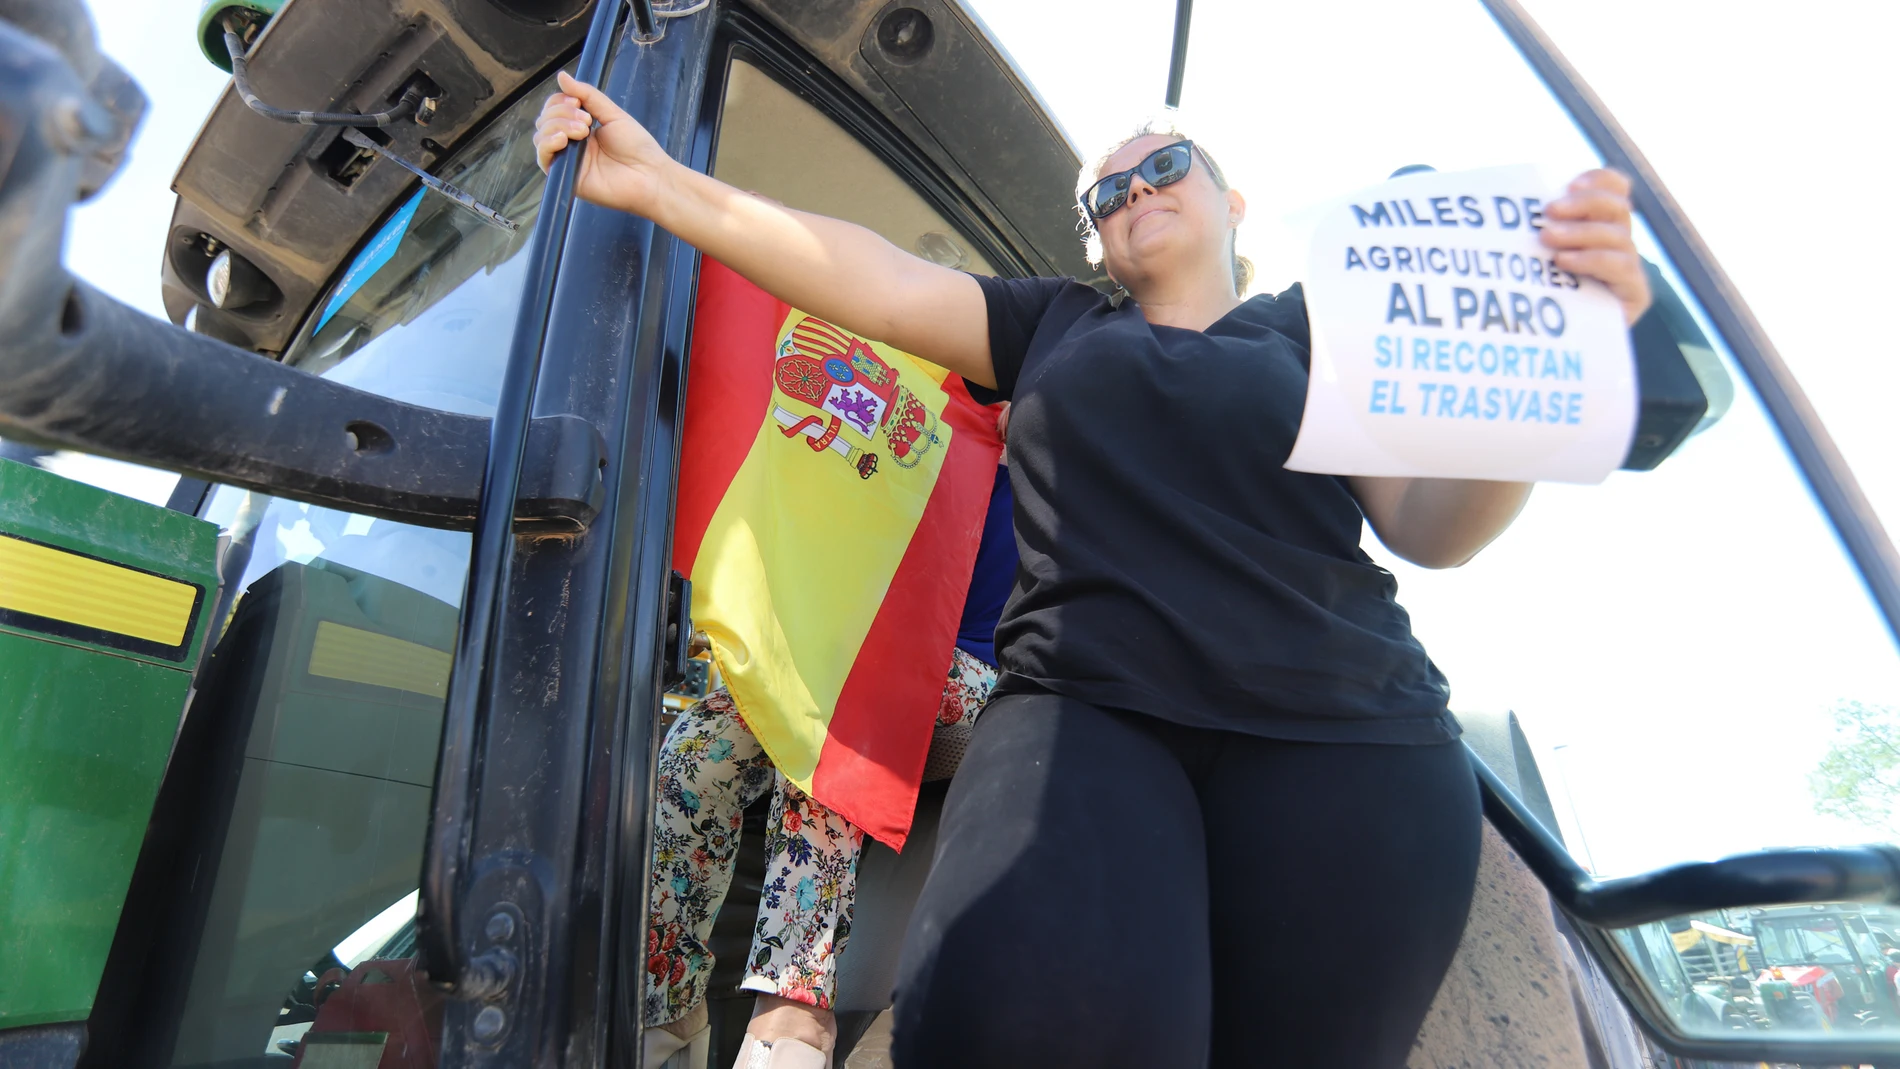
1179 227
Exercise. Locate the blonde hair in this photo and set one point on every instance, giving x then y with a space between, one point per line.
1165 124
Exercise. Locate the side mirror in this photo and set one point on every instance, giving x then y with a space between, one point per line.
1765 957
1682 385
1801 982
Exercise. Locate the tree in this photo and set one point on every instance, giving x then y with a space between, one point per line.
1860 777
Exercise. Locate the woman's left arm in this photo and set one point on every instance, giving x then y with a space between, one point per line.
1442 523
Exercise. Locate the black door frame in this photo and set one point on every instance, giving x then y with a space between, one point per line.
740 34
636 317
564 718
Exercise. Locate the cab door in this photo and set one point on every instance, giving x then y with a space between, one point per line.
404 822
335 843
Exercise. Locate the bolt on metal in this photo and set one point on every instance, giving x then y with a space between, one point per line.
501 928
488 1023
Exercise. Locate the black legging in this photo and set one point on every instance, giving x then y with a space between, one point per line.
1114 890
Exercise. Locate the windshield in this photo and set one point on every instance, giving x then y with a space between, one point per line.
1805 941
336 645
428 304
424 314
426 308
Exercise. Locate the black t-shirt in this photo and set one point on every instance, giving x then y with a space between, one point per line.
1171 565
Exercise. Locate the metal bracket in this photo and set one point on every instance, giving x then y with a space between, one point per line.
679 631
648 22
643 28
119 383
504 949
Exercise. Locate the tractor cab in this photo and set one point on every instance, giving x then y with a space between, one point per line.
352 762
1830 952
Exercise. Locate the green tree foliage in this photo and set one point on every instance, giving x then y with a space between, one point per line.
1860 777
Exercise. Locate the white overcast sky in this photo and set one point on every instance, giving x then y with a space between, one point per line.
1680 634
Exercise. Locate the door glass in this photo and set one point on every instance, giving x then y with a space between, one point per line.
773 142
336 656
1694 661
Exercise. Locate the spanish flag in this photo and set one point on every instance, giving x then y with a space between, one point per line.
832 494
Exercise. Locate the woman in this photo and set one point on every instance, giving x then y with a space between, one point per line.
1216 812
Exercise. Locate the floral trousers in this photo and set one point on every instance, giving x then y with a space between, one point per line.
711 768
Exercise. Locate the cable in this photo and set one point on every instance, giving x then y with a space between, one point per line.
412 98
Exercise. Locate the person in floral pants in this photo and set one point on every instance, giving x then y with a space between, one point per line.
711 769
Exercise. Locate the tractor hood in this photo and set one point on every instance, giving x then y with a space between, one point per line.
294 201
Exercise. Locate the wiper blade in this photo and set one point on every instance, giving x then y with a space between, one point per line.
360 140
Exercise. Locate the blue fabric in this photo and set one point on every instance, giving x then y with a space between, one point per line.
994 577
374 257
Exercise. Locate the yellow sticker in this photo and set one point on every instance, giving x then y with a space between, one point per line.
358 656
83 591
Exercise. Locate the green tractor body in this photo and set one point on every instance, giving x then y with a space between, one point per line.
104 603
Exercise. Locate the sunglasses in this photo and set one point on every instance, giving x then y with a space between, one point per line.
1162 167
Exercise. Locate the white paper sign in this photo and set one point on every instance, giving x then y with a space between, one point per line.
1446 344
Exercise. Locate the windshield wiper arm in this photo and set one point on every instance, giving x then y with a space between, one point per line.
361 140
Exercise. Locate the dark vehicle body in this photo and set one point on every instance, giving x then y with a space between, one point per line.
407 803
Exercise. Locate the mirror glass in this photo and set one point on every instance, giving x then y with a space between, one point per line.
1816 970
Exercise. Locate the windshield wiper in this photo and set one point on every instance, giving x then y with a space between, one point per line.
361 140
415 105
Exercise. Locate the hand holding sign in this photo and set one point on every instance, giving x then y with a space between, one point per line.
1450 341
1589 228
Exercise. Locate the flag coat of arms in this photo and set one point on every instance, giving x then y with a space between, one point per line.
831 499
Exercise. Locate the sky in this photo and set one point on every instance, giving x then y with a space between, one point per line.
1672 641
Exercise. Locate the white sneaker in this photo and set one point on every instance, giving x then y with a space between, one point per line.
780 1054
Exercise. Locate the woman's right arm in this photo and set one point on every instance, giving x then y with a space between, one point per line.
837 271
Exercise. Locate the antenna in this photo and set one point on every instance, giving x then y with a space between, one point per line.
1177 66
